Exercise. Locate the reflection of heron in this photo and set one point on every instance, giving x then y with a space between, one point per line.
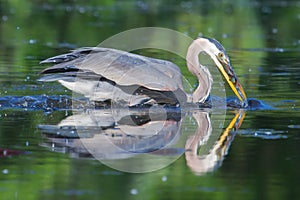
132 141
103 73
116 135
136 137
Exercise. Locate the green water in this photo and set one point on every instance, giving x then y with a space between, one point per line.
262 40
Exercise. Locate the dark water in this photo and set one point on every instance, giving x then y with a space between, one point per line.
258 160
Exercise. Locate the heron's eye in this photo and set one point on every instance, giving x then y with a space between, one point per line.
221 55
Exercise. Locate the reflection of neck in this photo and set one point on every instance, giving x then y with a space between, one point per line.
212 160
203 131
200 71
198 164
206 163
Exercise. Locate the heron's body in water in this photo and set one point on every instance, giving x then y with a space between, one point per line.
109 74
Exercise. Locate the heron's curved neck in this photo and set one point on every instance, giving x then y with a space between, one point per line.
201 72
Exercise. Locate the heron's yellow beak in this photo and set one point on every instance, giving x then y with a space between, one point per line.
230 77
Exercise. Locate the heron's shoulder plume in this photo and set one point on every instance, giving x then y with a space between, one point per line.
74 54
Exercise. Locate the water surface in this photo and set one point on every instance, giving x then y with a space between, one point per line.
262 159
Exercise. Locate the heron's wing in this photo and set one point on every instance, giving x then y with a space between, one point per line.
121 67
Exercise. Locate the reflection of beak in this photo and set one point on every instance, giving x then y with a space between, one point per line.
232 80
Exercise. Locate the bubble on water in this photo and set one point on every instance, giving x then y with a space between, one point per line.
224 35
68 8
32 41
274 30
266 10
279 50
294 126
268 134
187 5
4 18
134 191
82 10
27 77
5 171
49 44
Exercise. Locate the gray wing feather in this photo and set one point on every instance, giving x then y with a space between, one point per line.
121 67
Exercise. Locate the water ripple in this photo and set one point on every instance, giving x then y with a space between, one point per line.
42 102
268 134
253 104
64 102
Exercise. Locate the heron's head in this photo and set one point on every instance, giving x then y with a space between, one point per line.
217 52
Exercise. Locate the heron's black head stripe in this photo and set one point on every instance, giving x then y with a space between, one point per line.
217 43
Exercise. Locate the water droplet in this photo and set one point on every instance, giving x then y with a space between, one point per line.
164 179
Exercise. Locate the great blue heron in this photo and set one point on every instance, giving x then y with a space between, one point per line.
104 73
